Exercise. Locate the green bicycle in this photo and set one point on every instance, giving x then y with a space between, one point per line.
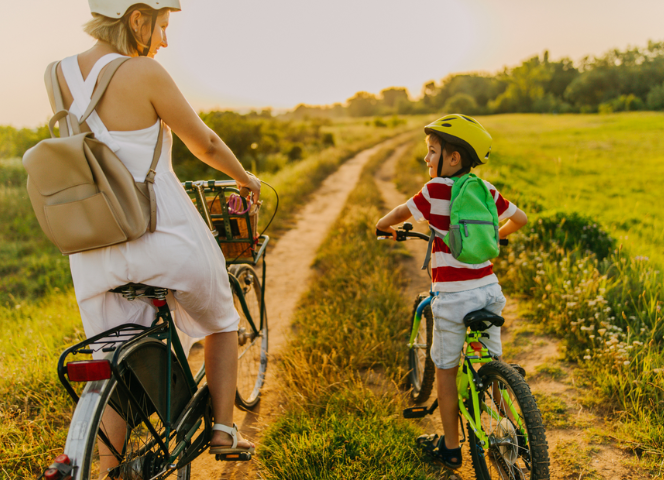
506 435
145 377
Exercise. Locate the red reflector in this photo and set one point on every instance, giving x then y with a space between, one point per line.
63 458
52 474
89 370
158 303
476 346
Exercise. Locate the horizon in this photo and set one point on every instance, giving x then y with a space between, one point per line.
321 55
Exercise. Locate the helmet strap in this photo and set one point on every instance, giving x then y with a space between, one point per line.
146 49
440 160
440 164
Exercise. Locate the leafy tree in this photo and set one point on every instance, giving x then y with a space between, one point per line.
392 96
461 103
480 87
655 99
362 104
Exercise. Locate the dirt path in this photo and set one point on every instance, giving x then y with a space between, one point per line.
578 445
288 275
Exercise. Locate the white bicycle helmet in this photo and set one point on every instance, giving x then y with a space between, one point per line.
117 8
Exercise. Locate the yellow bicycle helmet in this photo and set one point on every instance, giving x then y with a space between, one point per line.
462 131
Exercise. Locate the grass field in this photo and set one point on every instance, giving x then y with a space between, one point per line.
38 312
340 374
588 185
588 265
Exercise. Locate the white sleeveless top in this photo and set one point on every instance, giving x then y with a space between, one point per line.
181 254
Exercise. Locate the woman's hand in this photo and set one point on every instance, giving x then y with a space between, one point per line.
252 183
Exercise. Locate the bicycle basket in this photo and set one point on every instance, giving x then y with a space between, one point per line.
243 229
236 233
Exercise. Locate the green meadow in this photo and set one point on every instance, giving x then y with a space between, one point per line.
606 167
38 312
587 267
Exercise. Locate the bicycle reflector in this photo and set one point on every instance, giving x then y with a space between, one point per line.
60 469
89 370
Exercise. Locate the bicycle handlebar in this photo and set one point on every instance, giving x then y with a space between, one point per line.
406 232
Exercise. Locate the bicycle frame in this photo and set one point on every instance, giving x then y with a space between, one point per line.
468 381
161 329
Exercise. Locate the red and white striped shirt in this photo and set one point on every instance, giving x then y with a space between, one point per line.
432 204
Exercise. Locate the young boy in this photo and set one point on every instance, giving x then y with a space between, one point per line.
456 144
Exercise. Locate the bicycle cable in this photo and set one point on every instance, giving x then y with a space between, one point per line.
276 208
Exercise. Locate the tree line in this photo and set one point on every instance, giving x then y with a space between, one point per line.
619 80
631 79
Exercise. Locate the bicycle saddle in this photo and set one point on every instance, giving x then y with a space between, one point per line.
133 290
476 320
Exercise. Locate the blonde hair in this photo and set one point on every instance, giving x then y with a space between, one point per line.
117 31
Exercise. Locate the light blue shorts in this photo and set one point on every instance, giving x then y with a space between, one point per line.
449 332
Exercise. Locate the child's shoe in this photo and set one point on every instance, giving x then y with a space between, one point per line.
434 446
450 457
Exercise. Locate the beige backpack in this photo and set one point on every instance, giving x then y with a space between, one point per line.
83 195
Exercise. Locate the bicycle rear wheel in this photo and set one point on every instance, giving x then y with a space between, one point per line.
510 418
422 369
138 449
252 355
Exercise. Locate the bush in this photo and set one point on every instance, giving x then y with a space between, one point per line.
572 230
461 103
295 152
623 103
655 99
328 139
378 122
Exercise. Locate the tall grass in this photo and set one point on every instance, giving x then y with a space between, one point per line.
34 409
608 313
339 372
588 265
39 316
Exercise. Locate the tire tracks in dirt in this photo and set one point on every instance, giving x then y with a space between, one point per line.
578 448
288 275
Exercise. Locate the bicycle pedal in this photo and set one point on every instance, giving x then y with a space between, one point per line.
416 412
233 457
520 370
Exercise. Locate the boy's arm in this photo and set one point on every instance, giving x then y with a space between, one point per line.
398 215
514 223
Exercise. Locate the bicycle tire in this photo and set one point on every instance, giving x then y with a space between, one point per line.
515 458
252 353
82 444
422 371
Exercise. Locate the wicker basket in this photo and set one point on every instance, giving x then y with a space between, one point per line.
232 250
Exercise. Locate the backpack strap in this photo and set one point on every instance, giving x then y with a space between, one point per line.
149 178
432 235
102 85
55 96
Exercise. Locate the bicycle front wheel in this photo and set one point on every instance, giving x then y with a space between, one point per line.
422 369
517 447
104 410
252 344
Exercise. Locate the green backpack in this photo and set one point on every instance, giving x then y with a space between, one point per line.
473 235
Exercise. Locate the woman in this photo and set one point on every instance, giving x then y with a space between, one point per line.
181 254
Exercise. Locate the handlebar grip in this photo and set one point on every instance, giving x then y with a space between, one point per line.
504 242
380 233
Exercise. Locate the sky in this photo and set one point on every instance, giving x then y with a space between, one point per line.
246 54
